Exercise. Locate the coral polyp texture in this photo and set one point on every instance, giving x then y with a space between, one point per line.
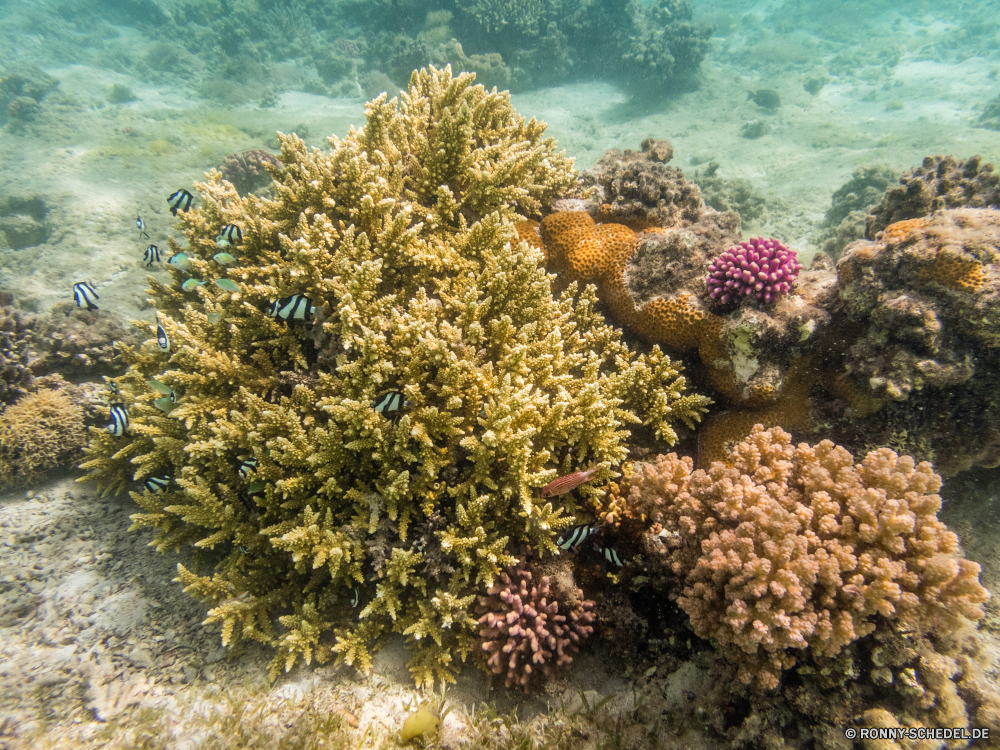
401 242
763 268
796 548
525 632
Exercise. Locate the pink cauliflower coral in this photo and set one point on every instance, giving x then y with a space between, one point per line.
764 268
522 629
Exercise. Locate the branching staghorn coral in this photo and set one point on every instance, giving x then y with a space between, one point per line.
402 239
794 548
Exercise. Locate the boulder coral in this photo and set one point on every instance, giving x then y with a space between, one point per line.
924 301
940 182
401 242
798 548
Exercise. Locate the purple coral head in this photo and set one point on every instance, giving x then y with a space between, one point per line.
762 267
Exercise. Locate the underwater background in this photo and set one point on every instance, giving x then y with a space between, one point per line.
297 453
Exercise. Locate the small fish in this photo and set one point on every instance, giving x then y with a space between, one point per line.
390 405
355 597
243 550
561 485
214 317
141 226
612 556
164 390
230 235
85 295
119 420
249 504
295 307
576 536
151 256
180 262
246 467
113 387
166 404
157 484
161 336
224 258
765 98
190 284
226 285
180 201
255 488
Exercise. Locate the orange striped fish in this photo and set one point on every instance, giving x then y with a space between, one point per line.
560 485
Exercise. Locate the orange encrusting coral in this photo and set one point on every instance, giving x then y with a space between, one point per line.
598 253
902 230
955 272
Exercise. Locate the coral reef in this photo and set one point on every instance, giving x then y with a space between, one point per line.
940 182
845 219
83 345
639 190
19 340
398 247
795 548
40 431
730 195
522 628
924 301
248 170
758 267
654 285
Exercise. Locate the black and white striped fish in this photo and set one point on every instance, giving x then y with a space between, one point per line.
391 405
246 467
119 420
249 504
157 484
180 201
161 336
611 555
573 538
85 295
141 226
295 307
230 235
151 256
355 597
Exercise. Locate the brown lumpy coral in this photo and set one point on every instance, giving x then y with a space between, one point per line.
940 182
927 294
248 171
522 628
639 190
19 339
797 547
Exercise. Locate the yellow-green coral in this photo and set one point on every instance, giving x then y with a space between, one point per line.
402 237
40 431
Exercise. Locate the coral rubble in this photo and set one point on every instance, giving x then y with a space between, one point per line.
792 548
399 249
